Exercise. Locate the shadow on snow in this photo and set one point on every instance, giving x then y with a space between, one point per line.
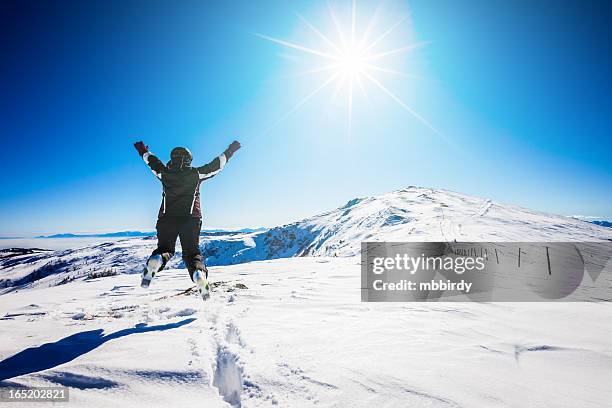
50 355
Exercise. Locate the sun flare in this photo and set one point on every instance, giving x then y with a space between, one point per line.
353 60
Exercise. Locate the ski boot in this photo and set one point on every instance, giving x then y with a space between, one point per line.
199 278
154 264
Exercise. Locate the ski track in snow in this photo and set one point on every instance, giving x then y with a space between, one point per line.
485 208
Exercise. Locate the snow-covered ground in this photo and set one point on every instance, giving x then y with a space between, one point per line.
297 335
291 331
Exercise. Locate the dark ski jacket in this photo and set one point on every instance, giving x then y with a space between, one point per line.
181 195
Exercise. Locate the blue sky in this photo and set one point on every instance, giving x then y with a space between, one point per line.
519 91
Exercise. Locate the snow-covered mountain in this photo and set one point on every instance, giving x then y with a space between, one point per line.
411 214
292 332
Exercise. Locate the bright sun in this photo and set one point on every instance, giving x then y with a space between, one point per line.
353 61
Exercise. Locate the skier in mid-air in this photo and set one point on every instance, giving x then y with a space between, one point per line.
180 214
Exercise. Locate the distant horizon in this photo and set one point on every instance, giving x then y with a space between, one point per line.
98 233
108 234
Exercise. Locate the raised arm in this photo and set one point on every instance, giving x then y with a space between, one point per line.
156 165
216 165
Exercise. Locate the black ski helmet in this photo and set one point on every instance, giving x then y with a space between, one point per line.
180 156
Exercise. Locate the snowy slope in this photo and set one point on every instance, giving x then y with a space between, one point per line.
411 214
292 332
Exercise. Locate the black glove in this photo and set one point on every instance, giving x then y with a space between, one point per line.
142 149
235 145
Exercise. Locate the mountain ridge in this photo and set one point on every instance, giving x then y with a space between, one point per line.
410 214
127 234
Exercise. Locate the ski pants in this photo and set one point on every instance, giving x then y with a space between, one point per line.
186 228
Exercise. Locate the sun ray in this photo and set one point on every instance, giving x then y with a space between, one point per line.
319 33
300 74
339 86
301 102
402 104
384 35
370 26
298 47
362 87
393 71
353 22
336 24
399 50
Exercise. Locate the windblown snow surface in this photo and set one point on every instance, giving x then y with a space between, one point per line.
285 325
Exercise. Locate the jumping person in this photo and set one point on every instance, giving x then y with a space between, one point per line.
180 214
